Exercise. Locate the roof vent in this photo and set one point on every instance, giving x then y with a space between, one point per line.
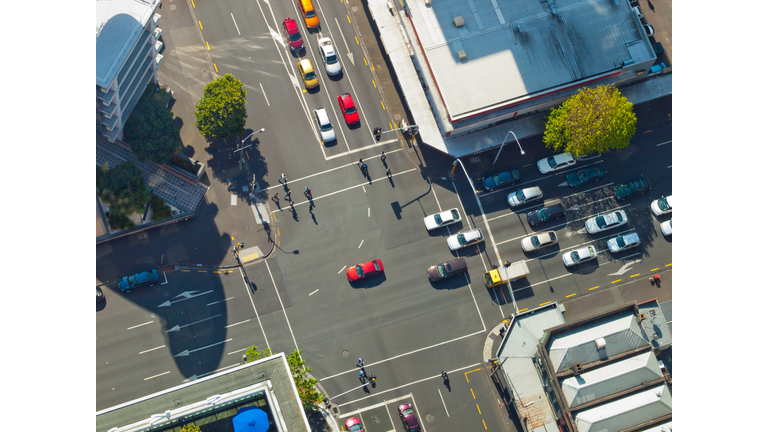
458 21
517 28
577 369
642 316
600 342
462 55
427 2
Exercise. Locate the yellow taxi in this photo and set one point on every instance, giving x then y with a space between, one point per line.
308 74
308 12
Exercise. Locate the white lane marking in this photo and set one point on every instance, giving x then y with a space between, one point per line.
359 149
439 207
403 386
668 142
282 307
408 353
233 20
361 243
369 212
342 269
441 398
166 279
314 291
155 376
220 301
248 290
380 404
235 352
264 93
363 186
237 323
130 328
152 349
344 39
334 169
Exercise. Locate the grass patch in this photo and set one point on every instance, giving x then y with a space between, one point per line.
160 211
119 221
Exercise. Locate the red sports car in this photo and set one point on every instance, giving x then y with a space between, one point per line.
292 34
348 108
360 271
354 425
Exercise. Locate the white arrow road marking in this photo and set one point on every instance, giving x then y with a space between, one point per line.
351 58
277 37
188 352
187 297
178 327
625 268
186 294
166 279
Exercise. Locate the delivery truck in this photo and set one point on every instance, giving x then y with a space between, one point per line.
504 274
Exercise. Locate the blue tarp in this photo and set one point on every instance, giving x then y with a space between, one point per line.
250 419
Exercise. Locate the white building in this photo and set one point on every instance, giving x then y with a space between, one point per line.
127 59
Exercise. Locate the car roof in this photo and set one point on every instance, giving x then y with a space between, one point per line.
531 191
631 238
306 65
457 264
322 114
290 24
562 157
472 234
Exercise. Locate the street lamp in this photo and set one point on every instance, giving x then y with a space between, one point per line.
504 142
258 131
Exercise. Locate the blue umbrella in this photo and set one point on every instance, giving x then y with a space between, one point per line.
250 419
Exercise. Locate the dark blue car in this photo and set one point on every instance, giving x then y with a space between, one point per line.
138 280
586 175
501 179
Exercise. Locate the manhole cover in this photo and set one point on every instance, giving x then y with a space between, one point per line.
344 353
430 418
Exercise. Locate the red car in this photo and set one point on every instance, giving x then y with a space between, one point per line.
354 425
408 416
292 34
348 108
360 271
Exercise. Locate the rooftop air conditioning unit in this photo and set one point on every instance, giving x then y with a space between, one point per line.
458 21
600 342
462 55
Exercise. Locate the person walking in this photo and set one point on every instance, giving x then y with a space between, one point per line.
283 179
359 362
360 162
308 193
288 195
276 198
383 156
389 173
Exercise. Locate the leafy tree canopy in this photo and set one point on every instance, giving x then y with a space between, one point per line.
309 395
221 112
122 187
150 130
593 121
190 428
253 353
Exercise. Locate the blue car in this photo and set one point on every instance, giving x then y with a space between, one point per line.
138 280
586 175
501 179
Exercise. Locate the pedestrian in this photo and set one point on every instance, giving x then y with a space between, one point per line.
283 179
276 198
291 204
383 156
359 362
288 195
308 193
389 173
361 377
360 162
501 331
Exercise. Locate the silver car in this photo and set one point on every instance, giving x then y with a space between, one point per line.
662 206
464 239
524 196
607 221
538 241
556 162
442 219
666 228
324 123
578 256
624 242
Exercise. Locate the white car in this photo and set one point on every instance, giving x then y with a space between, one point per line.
666 228
329 57
579 256
442 219
662 206
464 239
607 221
524 196
324 123
624 242
538 241
556 162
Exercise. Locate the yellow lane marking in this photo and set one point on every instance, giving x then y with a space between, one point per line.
229 271
274 217
473 393
201 25
542 304
617 280
193 3
207 46
358 42
649 130
278 231
668 265
305 90
390 126
374 83
467 377
570 295
366 61
217 69
635 275
202 271
527 165
523 310
382 105
232 237
350 21
486 427
593 288
216 271
186 271
372 68
655 269
246 155
478 409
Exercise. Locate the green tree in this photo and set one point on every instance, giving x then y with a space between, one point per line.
221 112
309 395
253 353
150 130
122 187
593 121
190 428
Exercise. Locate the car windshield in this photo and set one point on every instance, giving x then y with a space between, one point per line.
618 216
309 76
488 279
582 175
350 110
575 256
438 219
331 59
551 162
600 221
132 280
552 236
325 127
296 37
520 196
535 241
441 270
664 205
542 214
407 412
620 242
355 428
462 240
359 270
455 214
376 265
311 14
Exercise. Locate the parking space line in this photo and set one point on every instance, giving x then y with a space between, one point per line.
155 376
241 322
473 392
130 328
242 276
152 349
441 398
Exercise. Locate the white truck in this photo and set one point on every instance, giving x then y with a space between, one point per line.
328 54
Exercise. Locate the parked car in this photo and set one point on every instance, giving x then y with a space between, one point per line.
623 242
99 295
361 271
408 416
626 190
442 219
307 73
147 278
662 206
666 228
292 34
556 162
501 179
524 196
447 269
465 238
329 57
648 29
538 241
578 256
324 124
347 106
545 214
607 221
354 425
590 174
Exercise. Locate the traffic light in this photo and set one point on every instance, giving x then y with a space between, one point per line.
377 132
372 379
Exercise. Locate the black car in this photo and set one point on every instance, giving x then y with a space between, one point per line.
99 295
590 174
546 214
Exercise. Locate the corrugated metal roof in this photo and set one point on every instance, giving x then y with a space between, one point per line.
666 308
611 379
590 38
655 325
665 427
621 333
627 412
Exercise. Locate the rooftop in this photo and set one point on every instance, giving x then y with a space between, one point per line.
118 24
626 412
